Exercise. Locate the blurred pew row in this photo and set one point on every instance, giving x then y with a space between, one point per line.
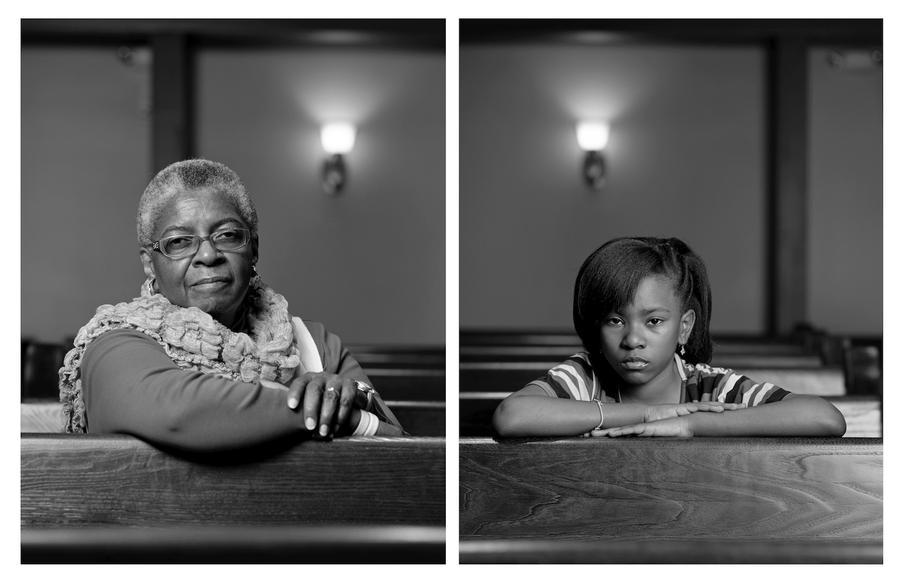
400 373
847 371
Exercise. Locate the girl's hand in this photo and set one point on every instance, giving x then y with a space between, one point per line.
669 410
327 400
672 427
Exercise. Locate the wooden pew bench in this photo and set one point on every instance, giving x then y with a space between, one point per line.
470 340
512 376
409 384
375 355
776 357
119 480
92 489
476 409
369 544
735 500
419 418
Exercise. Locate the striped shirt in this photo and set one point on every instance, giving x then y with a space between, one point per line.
575 379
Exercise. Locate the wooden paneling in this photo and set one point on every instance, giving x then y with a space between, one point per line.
119 480
800 490
235 545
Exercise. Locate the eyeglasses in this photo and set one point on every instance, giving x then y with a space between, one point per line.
185 245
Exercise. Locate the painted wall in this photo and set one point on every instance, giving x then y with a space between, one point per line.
85 162
685 159
369 263
845 197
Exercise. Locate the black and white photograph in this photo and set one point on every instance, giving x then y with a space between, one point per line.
468 293
232 291
670 291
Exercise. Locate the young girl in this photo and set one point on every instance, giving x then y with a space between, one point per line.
641 309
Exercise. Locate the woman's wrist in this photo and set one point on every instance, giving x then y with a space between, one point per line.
353 420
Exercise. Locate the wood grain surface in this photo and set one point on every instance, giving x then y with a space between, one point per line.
119 480
234 544
730 488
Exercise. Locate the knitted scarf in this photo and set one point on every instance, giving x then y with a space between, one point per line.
193 340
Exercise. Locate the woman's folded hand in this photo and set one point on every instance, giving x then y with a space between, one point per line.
328 402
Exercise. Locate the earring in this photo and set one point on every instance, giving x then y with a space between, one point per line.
681 350
255 278
150 287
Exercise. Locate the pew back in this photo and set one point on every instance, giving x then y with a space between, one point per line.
511 376
733 489
118 480
235 544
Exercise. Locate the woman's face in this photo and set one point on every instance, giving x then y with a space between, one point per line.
212 280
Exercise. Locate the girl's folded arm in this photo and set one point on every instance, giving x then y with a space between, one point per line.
794 415
530 412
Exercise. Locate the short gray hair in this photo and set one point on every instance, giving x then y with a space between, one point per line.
189 175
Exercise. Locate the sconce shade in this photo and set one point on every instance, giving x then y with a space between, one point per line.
592 136
338 138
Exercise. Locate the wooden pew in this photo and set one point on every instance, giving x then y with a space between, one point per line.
419 418
761 500
409 384
490 376
726 344
689 550
757 358
368 544
375 355
863 414
101 480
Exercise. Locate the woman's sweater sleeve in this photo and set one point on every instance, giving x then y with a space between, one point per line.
131 386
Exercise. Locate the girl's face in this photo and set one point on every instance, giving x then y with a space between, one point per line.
640 340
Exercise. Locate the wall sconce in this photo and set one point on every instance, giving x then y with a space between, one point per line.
337 140
592 138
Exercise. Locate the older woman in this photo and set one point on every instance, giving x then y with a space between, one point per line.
208 357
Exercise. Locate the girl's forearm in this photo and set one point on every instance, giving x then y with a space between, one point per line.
797 415
547 416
